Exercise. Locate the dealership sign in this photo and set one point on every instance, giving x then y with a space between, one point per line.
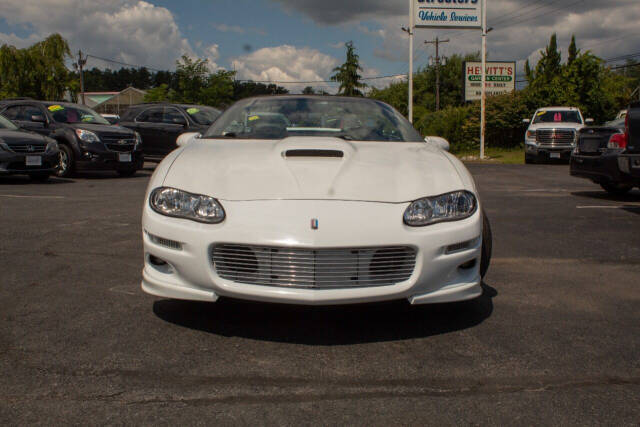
500 78
448 13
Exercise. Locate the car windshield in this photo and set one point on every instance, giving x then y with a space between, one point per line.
558 116
280 117
202 115
7 124
75 114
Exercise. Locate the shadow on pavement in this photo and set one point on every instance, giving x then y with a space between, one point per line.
25 180
332 325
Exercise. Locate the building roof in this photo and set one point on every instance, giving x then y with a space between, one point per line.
94 99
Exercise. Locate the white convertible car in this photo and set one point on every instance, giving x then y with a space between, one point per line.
313 200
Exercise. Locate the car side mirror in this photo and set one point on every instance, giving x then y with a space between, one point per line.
439 142
187 138
526 121
38 118
589 121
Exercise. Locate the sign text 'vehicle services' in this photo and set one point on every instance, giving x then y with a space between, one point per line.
448 13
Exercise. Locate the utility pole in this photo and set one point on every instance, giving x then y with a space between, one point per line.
437 42
79 66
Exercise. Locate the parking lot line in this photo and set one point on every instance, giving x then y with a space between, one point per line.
17 196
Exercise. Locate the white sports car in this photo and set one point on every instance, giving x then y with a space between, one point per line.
313 200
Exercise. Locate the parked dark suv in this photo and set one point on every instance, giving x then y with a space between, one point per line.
610 155
28 153
161 124
86 140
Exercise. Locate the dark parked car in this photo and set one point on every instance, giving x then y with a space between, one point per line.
161 124
87 141
23 152
610 155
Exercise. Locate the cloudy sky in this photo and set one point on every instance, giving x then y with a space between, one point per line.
302 40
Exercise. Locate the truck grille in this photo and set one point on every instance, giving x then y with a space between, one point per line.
555 136
314 268
27 148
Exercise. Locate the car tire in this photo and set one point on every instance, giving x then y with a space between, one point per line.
39 176
487 245
529 160
126 172
616 188
66 163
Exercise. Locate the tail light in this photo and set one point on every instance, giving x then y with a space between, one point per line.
618 141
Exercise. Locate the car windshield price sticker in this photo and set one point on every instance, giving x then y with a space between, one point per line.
448 13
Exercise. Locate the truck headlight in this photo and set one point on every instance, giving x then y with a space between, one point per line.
447 207
180 204
52 147
138 141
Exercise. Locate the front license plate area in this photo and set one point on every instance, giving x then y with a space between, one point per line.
33 161
124 157
554 155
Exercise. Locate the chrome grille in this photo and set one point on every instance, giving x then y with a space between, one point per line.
27 148
314 268
120 143
555 136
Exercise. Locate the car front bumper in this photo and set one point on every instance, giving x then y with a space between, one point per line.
542 152
190 273
15 163
109 160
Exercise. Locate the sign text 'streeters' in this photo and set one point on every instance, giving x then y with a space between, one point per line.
500 78
448 13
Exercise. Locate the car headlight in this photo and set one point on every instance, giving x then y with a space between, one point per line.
138 141
52 147
3 146
530 137
87 136
180 204
447 207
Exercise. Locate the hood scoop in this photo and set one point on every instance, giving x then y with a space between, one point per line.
315 153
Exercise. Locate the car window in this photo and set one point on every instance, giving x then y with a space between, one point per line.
7 124
557 116
13 113
173 116
29 111
75 114
203 115
356 119
151 115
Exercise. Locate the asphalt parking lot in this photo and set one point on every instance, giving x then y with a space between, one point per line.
555 338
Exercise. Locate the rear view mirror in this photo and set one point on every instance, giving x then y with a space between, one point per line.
526 121
589 121
38 118
439 142
186 138
179 121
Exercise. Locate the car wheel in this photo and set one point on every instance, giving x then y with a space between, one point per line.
126 172
65 162
487 245
615 188
39 176
529 160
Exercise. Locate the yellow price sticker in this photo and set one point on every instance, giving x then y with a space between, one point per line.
56 108
542 113
252 118
193 111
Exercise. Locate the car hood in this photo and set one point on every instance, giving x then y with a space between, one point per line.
115 130
21 137
558 125
294 169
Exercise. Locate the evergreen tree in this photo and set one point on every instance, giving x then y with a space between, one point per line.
348 74
528 72
573 51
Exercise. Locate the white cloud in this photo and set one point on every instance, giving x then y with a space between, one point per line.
133 32
228 28
286 63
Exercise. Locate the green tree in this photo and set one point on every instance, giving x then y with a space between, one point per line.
192 76
348 74
308 91
218 91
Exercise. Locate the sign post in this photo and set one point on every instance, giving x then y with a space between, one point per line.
484 79
470 14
